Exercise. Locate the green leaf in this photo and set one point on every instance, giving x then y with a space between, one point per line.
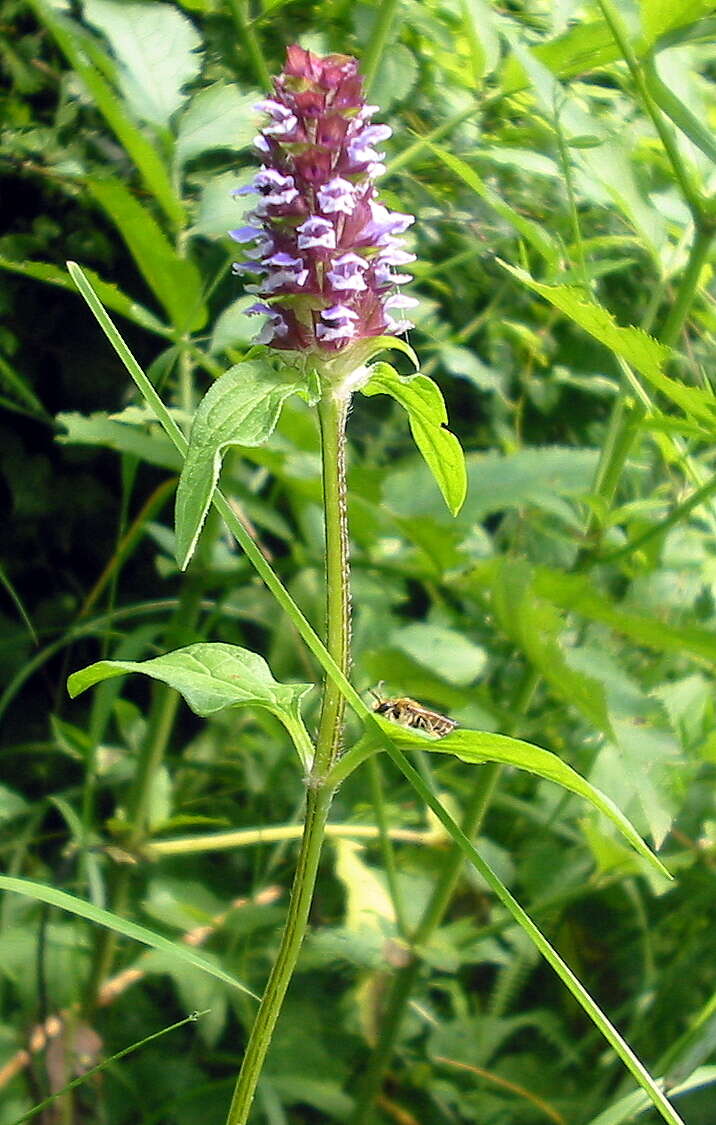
423 401
636 347
640 350
578 595
175 281
156 49
241 408
585 45
101 429
535 627
538 238
212 677
448 653
217 117
209 676
482 746
233 328
82 54
63 901
660 16
483 40
397 74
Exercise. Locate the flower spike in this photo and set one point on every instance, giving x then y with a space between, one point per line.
320 247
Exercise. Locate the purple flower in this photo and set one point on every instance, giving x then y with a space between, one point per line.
316 233
321 248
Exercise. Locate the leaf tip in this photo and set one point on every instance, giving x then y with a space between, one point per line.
74 685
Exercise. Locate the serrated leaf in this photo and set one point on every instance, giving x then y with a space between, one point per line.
423 401
217 117
156 49
89 61
175 281
634 345
396 76
241 408
538 238
482 746
209 676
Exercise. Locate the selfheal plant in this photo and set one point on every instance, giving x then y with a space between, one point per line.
323 255
321 250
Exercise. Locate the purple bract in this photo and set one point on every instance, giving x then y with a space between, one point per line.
322 250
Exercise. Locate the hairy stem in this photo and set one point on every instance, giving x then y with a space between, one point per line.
332 416
332 413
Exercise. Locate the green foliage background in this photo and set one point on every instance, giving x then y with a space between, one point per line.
569 609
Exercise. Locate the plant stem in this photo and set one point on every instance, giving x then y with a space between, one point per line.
621 36
679 311
378 42
317 805
244 26
624 422
248 837
332 413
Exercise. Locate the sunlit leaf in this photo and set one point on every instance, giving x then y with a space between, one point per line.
534 234
209 676
482 746
156 48
241 408
212 677
217 117
634 345
423 401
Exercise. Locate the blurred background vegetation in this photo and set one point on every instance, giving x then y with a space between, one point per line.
521 136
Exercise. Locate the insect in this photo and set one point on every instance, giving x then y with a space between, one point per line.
410 713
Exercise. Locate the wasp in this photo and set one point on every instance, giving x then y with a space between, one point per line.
409 713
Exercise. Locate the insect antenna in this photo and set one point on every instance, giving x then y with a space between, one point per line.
377 694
